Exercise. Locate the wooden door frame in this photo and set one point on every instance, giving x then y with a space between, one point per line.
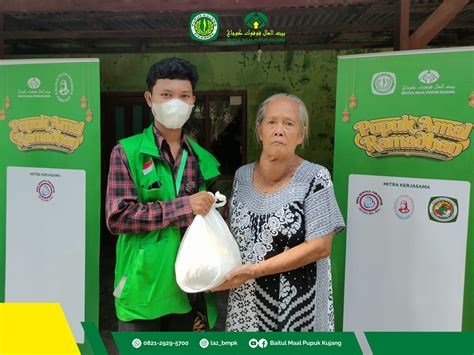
108 124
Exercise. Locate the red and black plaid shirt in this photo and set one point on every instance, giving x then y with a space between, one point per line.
125 215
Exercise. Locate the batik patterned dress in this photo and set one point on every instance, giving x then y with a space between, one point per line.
267 225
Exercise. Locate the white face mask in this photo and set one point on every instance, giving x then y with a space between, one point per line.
172 114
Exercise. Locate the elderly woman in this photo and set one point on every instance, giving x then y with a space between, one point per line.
283 214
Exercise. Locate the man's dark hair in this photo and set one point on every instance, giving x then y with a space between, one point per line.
172 68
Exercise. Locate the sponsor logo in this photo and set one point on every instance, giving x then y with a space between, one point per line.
45 190
256 20
383 83
369 202
64 87
443 209
204 26
404 207
428 76
407 135
34 83
34 90
46 133
428 84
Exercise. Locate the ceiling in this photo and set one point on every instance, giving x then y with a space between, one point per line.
133 26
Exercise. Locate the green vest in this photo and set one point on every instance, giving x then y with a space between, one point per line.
145 281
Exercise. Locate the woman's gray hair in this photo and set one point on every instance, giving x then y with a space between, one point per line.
302 114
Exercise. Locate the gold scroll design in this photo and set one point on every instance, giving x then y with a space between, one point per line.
408 135
46 133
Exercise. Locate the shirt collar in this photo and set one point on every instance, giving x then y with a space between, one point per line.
160 140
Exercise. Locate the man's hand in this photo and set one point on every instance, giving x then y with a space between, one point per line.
201 203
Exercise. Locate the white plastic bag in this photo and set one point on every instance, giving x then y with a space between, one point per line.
207 252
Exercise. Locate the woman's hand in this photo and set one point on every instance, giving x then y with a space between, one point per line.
237 277
291 259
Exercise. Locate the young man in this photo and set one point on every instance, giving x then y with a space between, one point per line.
156 184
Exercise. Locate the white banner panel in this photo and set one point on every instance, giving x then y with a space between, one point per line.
45 240
405 254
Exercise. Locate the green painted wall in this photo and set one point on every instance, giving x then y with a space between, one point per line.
311 75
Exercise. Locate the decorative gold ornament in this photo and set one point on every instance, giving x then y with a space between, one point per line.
89 115
2 115
471 99
7 102
353 101
83 102
345 116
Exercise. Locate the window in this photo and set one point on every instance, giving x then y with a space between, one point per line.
221 119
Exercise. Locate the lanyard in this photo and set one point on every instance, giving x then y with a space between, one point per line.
179 176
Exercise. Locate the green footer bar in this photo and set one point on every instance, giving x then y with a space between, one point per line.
237 343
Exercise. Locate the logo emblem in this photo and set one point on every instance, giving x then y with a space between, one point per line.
428 76
383 83
204 26
443 209
34 83
64 87
369 202
404 207
45 190
256 20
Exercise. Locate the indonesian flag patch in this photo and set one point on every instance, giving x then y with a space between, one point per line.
147 167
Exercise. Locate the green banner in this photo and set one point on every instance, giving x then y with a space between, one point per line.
431 343
403 170
50 178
